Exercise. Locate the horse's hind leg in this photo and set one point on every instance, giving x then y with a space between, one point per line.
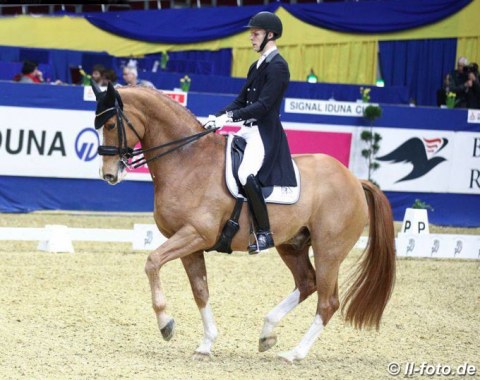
194 265
328 303
295 256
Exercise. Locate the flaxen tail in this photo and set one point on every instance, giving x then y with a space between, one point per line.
373 280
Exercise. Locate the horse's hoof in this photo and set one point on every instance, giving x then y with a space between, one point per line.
266 343
287 357
169 330
202 356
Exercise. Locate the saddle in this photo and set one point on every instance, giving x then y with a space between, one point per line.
273 194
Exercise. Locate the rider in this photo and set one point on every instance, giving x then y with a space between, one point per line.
267 160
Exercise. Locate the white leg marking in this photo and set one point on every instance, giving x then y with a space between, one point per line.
278 312
209 330
299 352
163 319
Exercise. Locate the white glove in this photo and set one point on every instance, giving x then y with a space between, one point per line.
221 120
210 122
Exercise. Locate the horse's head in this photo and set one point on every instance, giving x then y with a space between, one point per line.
118 141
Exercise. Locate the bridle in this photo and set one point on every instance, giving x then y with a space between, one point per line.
125 152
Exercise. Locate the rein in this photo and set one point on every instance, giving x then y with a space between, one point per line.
125 152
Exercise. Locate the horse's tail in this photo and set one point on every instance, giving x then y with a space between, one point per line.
373 282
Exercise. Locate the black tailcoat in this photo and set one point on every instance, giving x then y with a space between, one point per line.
261 98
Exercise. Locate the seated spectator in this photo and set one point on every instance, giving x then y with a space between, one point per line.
109 75
442 93
97 73
130 76
30 73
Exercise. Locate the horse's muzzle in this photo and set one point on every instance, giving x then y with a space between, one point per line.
110 178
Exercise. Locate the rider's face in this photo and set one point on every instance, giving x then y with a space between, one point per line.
256 38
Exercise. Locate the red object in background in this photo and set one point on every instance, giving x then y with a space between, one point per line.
334 144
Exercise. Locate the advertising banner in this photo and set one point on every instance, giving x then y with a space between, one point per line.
421 160
48 143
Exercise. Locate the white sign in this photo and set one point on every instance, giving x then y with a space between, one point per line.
473 116
41 142
422 160
438 246
324 107
465 173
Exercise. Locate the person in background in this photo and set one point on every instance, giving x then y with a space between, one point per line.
30 73
109 75
458 81
443 92
472 86
97 73
130 76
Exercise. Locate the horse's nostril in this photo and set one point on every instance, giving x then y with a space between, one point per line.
109 177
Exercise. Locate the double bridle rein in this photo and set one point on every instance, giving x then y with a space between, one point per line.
125 152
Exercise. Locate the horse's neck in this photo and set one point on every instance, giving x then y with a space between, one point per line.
170 127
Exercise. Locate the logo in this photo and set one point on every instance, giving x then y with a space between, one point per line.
86 144
421 153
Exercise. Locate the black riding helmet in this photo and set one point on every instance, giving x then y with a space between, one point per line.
268 21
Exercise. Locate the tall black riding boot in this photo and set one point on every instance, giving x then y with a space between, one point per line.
257 205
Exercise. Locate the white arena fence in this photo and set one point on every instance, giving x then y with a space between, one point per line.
146 237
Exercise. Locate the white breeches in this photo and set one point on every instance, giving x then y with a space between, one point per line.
254 153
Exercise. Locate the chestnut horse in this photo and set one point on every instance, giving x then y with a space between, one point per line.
192 204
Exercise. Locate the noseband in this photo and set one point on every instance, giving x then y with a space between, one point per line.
125 152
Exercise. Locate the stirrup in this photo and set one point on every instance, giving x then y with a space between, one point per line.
263 241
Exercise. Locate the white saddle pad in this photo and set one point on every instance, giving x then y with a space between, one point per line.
280 194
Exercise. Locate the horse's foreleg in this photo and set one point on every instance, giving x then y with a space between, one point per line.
197 274
183 243
297 260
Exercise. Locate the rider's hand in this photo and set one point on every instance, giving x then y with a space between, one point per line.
210 122
221 120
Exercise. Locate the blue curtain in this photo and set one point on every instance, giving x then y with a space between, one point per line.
178 25
375 16
195 25
418 64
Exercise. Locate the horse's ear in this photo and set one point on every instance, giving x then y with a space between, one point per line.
96 89
110 96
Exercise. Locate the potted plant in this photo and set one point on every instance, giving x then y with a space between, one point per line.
371 138
185 83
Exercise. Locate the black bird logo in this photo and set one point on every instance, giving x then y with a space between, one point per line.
415 152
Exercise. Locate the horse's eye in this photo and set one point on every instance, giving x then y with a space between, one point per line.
110 126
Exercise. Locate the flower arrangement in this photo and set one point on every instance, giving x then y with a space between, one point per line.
450 101
185 83
365 93
164 60
85 77
422 205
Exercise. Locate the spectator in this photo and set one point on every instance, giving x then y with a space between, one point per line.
30 73
97 73
130 76
443 92
109 75
472 86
